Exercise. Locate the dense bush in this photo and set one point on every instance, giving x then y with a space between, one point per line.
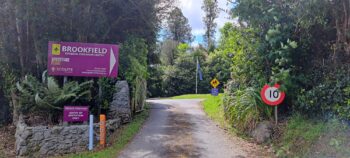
7 88
47 97
244 108
180 78
298 44
134 69
330 96
107 91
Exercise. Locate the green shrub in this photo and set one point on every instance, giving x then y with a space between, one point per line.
133 66
108 89
48 97
330 96
244 109
139 94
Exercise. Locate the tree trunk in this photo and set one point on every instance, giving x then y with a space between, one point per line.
19 39
14 106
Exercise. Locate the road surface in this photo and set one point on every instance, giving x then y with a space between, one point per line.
180 128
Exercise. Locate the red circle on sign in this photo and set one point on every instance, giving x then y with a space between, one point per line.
270 100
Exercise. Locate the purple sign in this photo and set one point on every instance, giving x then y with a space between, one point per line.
83 59
75 113
214 92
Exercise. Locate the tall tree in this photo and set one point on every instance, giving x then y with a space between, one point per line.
211 10
178 28
168 52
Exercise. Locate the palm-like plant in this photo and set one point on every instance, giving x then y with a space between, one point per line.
47 96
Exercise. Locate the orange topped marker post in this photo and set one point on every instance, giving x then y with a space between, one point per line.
103 130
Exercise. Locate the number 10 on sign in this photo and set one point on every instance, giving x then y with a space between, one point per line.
272 96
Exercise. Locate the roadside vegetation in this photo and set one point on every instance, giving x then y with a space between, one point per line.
305 137
296 135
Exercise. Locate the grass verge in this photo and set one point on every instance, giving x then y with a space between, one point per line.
297 136
303 137
194 96
119 139
212 107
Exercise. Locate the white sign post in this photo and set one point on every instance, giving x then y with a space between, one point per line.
273 97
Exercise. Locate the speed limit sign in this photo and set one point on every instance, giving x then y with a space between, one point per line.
271 95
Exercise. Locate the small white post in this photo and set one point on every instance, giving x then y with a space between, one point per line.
91 132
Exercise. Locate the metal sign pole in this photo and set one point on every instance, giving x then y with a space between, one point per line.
65 79
99 98
91 133
276 118
197 76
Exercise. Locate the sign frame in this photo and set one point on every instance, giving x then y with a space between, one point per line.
83 59
269 102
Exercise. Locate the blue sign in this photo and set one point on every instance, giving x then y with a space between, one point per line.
215 92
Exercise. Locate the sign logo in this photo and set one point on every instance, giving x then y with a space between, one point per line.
271 95
214 83
56 49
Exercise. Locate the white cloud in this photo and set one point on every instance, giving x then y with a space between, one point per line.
186 4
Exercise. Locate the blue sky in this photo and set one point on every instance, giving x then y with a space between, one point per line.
193 12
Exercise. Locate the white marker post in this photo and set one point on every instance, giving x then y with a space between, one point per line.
273 97
91 132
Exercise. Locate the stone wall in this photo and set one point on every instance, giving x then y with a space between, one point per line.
43 141
120 107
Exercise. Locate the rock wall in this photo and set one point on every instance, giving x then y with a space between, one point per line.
43 141
120 107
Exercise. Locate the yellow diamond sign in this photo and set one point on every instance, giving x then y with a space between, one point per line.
56 49
214 82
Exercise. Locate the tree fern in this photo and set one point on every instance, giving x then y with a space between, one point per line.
48 96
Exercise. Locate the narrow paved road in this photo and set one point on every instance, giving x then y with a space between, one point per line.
180 128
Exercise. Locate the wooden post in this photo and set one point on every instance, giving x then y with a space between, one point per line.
103 130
